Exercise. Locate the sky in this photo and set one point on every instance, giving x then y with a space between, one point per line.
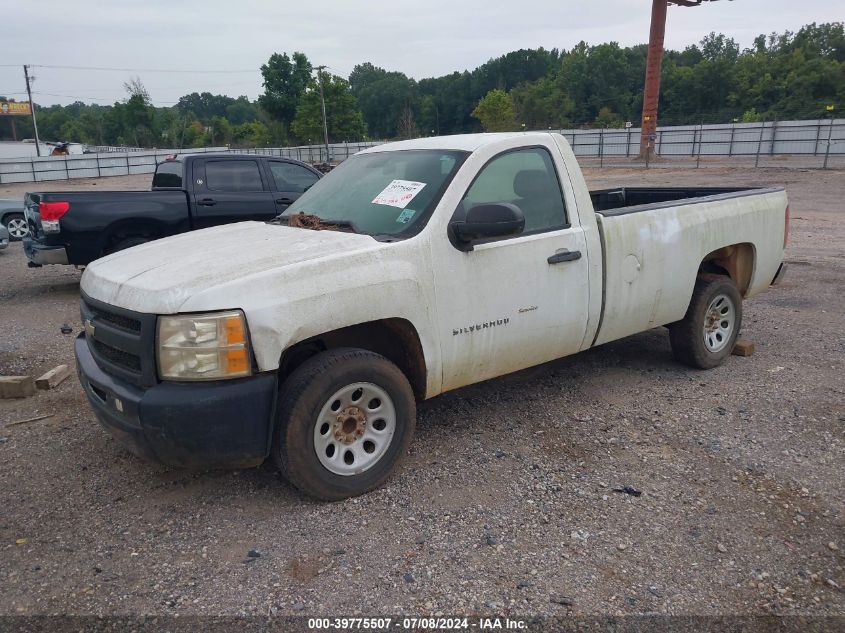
420 38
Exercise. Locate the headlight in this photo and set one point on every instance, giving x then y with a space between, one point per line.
203 346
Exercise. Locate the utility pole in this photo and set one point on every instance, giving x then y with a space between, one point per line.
654 63
651 93
323 106
32 109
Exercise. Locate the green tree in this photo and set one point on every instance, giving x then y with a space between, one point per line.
285 81
751 116
254 134
241 111
384 98
789 75
429 115
221 131
609 119
542 104
137 121
345 120
495 111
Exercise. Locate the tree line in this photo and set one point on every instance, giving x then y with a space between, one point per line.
792 75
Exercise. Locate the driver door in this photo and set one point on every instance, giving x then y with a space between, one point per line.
517 301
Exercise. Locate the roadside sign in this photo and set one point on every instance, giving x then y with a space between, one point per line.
15 108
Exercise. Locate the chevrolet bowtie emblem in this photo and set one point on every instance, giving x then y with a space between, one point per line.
89 328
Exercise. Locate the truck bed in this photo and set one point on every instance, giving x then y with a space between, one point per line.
96 215
622 200
654 239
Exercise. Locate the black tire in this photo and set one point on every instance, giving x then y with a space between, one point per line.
125 243
303 396
14 218
688 337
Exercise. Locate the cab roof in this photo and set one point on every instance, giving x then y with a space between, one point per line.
463 142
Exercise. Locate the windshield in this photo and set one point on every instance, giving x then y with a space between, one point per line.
384 193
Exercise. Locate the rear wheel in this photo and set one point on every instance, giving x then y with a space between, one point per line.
127 242
705 337
16 225
345 419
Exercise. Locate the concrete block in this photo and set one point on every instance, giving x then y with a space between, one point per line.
16 386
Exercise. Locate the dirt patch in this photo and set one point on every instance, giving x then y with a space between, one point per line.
506 501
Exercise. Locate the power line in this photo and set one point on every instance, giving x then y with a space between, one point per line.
53 94
145 70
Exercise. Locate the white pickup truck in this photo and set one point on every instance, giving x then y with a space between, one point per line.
414 268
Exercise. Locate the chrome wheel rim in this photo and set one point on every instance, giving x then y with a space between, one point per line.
719 323
17 227
354 428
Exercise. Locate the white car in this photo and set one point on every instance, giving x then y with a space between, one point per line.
436 263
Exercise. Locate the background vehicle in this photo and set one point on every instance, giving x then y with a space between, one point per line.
4 237
189 192
449 261
12 217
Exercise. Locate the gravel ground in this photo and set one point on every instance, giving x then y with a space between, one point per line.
507 502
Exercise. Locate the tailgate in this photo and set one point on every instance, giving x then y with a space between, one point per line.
32 215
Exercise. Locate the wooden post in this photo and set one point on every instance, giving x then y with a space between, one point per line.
654 63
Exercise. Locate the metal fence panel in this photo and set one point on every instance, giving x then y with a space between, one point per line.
819 144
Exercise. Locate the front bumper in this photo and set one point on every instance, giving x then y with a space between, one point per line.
219 424
40 254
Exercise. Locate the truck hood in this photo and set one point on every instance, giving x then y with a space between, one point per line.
159 277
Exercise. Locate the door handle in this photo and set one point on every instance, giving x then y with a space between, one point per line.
284 201
207 202
565 256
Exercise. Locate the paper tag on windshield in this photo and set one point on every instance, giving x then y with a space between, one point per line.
399 193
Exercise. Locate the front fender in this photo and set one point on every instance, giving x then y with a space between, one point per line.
286 306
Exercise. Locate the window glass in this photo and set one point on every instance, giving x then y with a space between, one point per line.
168 174
290 177
232 175
383 193
527 179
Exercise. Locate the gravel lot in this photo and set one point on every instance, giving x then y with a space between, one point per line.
506 503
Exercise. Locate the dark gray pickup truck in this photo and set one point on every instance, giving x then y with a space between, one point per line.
189 192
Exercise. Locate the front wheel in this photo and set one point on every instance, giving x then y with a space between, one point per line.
705 337
345 419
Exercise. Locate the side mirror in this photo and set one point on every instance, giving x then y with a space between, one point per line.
486 221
